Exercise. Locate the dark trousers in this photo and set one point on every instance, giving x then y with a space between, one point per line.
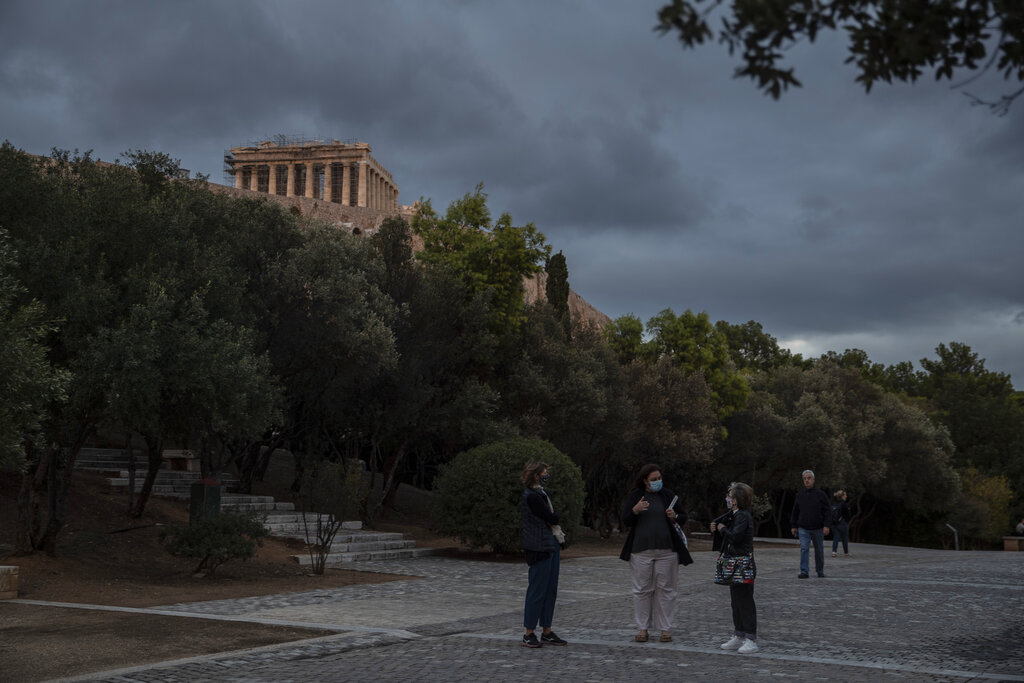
744 613
841 532
541 593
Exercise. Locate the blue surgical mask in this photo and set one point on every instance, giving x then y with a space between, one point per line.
655 486
544 479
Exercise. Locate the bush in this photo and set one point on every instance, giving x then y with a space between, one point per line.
479 493
329 494
215 540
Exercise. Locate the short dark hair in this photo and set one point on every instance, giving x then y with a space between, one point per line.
742 494
645 471
531 471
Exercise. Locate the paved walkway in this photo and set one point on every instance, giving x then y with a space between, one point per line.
885 614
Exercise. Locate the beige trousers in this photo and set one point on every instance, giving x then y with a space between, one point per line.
654 587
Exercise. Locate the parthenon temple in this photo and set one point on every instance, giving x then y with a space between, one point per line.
339 172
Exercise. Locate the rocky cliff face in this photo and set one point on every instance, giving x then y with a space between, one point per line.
363 221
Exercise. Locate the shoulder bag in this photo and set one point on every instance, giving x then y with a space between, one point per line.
730 569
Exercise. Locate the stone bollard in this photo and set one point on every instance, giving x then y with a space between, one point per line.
8 582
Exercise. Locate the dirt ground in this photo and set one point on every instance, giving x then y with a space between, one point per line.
107 558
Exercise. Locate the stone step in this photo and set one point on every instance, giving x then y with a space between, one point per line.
341 539
295 517
271 506
163 474
240 498
343 548
167 482
334 559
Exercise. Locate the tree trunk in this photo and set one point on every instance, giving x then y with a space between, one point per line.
28 510
777 515
154 458
387 498
60 489
129 447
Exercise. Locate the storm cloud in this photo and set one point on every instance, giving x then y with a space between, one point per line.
888 221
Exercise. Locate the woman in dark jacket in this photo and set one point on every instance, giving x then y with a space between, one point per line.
840 523
738 539
542 556
654 551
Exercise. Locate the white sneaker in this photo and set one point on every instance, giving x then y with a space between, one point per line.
748 647
734 643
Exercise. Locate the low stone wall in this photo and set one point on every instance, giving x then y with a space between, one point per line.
1013 543
8 582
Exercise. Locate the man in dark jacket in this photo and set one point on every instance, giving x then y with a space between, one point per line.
810 520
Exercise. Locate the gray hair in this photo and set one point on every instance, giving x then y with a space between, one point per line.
806 472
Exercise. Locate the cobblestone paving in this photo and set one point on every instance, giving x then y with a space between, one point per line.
885 614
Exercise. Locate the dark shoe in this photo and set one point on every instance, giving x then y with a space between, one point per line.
530 640
801 575
641 637
821 575
550 638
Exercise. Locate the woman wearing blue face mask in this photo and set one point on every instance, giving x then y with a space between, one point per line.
654 550
541 543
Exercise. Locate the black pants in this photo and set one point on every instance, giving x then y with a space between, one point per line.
744 613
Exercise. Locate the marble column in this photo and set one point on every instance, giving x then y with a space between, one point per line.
309 181
290 187
346 181
254 178
363 170
272 186
239 176
328 181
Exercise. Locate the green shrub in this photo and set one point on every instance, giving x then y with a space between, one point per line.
215 540
479 492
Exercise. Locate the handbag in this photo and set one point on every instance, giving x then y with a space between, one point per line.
730 569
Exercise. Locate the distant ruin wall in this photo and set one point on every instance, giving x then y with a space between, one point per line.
364 218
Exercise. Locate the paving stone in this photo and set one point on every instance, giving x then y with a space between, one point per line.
887 614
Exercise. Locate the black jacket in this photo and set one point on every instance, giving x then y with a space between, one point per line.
629 519
738 536
537 520
844 511
811 510
717 538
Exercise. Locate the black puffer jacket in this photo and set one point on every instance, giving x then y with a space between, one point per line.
629 519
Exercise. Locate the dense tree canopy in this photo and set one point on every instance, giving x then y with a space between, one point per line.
888 40
140 304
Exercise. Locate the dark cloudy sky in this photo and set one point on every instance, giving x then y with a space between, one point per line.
888 222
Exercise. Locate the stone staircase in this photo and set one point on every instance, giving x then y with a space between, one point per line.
351 544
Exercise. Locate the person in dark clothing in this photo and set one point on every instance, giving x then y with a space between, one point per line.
840 523
737 536
654 550
542 556
809 523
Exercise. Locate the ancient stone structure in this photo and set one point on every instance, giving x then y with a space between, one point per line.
336 172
